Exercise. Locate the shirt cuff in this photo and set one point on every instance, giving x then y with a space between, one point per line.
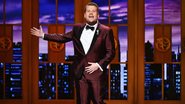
99 67
42 36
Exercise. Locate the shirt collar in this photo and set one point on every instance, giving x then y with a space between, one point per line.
95 25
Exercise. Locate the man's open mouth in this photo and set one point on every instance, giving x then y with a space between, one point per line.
91 16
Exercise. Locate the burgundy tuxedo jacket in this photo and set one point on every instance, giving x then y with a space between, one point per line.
102 49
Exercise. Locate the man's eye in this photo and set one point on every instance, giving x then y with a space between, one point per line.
91 11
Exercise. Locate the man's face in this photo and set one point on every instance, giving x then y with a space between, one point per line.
91 14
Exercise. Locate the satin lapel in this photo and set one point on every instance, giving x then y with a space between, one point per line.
80 31
96 34
79 35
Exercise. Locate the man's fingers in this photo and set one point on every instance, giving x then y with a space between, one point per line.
37 32
35 28
32 30
90 62
89 71
33 33
41 28
87 67
91 68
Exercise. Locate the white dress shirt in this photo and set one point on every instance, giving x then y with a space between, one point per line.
87 37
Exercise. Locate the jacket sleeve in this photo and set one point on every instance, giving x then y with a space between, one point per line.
109 50
62 38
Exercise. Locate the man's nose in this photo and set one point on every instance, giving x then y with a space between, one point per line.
91 13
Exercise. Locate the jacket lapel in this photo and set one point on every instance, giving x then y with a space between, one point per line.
80 31
79 35
96 34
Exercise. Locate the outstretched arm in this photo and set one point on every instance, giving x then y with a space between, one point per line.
52 37
37 32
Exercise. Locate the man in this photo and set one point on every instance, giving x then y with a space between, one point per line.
94 50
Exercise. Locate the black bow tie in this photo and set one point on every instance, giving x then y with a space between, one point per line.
89 27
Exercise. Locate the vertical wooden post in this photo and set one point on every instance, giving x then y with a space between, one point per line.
26 50
33 55
183 51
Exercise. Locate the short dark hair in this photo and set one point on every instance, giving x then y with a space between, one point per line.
92 4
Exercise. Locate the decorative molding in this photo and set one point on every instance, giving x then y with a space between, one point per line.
5 43
54 46
162 44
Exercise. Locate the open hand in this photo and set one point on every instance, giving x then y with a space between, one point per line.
91 68
37 32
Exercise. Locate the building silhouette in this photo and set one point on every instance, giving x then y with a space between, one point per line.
153 76
118 80
12 76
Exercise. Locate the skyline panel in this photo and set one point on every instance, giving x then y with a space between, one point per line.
172 9
66 11
13 10
47 16
153 13
103 10
119 11
1 12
